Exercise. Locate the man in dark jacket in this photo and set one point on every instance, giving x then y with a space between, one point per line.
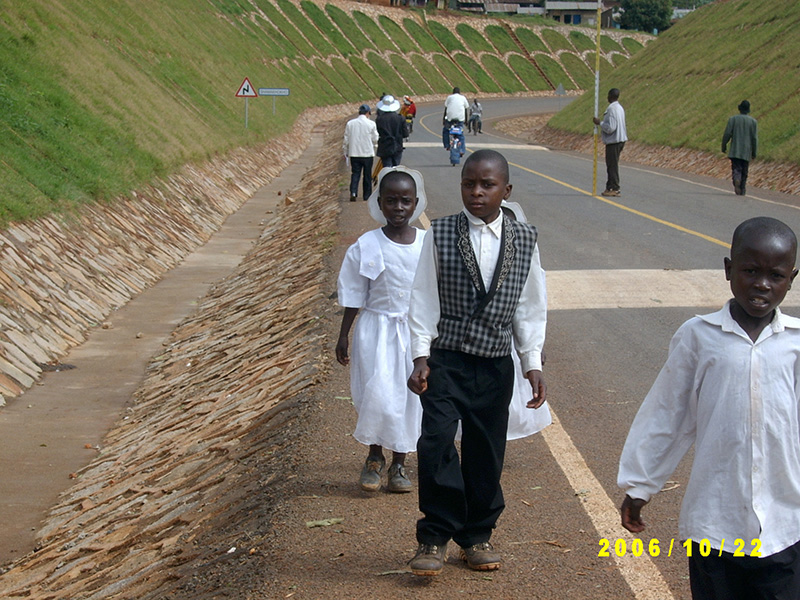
391 131
742 132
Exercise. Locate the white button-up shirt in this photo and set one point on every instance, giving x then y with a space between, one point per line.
530 319
360 137
612 127
737 401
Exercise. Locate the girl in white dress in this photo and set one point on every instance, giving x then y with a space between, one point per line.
376 276
523 421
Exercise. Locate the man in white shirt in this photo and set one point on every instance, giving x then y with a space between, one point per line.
358 145
614 135
456 108
731 387
478 283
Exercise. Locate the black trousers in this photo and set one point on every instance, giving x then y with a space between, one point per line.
729 577
739 170
462 500
361 166
612 165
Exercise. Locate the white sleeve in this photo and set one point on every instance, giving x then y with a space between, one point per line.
665 426
353 288
530 319
424 311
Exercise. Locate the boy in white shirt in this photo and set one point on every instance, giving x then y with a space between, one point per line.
731 386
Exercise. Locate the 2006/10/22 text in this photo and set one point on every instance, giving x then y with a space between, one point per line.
654 548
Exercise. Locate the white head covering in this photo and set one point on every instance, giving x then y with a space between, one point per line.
422 203
389 104
516 209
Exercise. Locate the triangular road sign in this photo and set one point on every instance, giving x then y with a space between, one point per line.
246 90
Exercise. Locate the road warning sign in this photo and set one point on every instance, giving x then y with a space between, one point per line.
246 90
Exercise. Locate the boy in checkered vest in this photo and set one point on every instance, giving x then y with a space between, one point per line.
478 283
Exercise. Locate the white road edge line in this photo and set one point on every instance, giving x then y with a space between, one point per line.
639 572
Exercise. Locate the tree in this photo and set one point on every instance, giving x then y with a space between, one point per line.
645 15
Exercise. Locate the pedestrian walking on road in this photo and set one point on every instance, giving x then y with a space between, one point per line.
358 145
742 133
478 284
391 131
614 135
376 276
730 387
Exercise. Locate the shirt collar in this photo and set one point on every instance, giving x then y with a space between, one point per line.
724 320
496 226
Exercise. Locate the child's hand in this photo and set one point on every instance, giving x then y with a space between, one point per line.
631 514
341 351
539 388
418 382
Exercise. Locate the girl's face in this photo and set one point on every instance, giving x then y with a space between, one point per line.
398 200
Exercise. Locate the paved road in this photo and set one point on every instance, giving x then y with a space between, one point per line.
623 274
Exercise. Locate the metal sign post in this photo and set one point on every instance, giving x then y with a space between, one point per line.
596 93
246 91
273 92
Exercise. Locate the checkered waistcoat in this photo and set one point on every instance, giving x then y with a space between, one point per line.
473 320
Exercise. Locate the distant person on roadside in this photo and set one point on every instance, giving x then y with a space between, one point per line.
456 110
391 131
475 113
614 135
742 132
731 388
376 275
479 284
360 138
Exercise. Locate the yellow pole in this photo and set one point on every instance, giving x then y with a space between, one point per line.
596 92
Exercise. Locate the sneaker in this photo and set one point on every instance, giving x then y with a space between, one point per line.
371 474
481 557
398 482
429 560
352 197
610 193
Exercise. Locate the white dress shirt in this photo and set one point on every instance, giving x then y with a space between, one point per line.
360 137
737 401
612 127
456 107
530 318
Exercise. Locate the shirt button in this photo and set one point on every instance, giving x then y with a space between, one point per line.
372 263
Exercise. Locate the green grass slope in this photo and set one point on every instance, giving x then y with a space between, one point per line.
100 96
681 90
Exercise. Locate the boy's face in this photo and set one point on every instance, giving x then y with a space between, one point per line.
761 271
398 200
483 187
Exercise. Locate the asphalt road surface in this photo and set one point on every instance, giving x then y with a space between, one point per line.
622 273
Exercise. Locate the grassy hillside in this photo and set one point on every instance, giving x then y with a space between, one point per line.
681 90
99 96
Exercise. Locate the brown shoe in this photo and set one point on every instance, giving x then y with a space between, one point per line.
481 557
429 560
610 193
398 481
370 479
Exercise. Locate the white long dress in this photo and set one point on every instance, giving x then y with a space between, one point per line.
376 277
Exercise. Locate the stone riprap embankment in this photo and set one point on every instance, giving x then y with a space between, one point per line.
194 453
64 275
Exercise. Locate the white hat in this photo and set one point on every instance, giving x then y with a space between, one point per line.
422 203
516 209
388 104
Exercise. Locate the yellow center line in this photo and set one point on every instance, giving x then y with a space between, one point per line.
638 213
